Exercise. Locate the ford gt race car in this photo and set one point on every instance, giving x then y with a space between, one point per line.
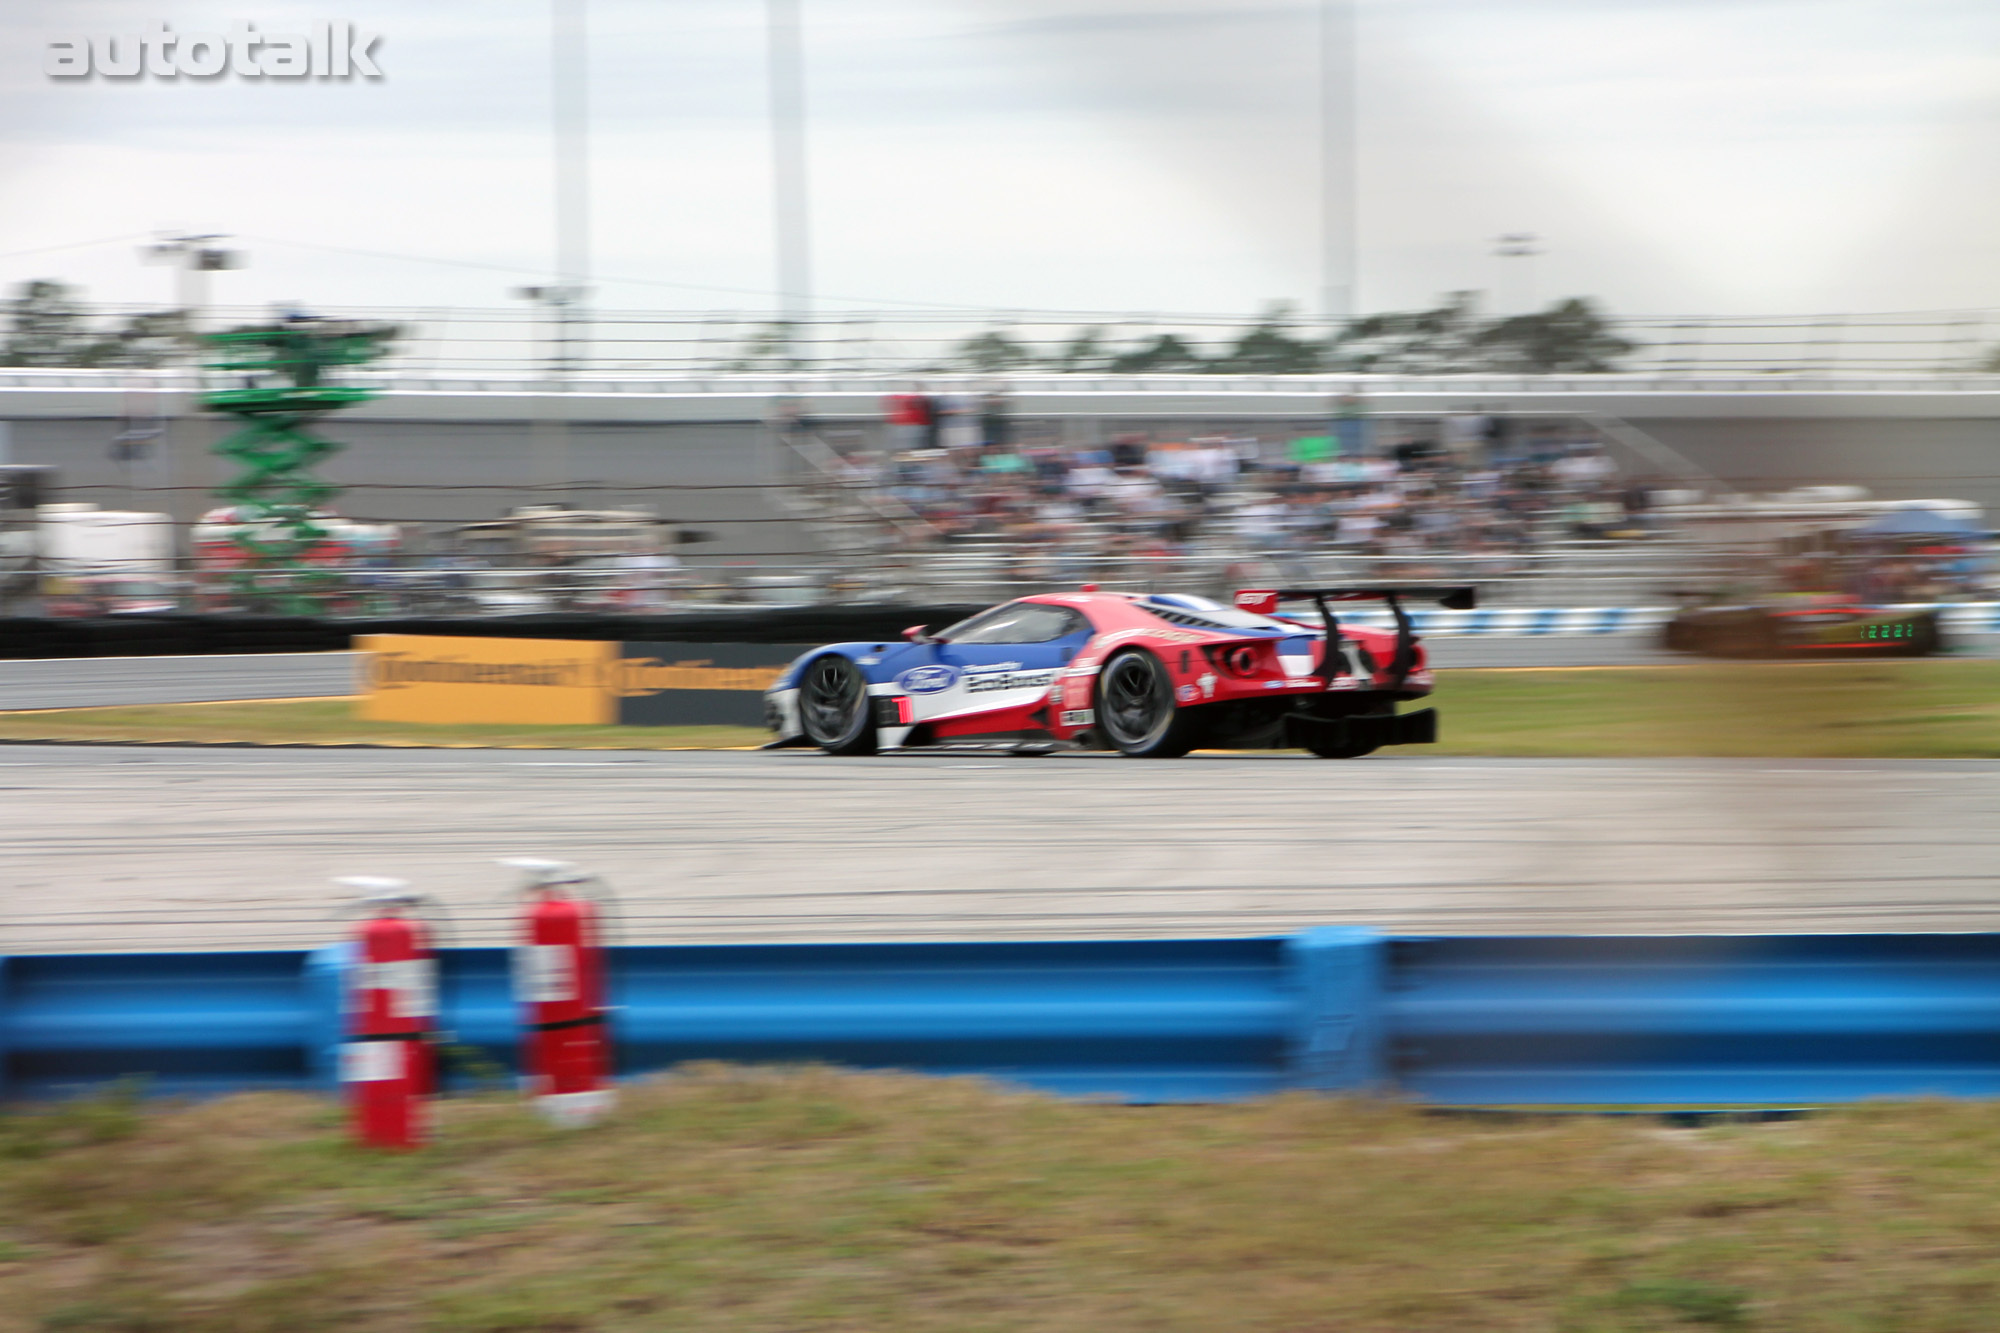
1150 675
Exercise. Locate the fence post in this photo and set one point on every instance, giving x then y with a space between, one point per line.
1335 977
326 986
6 1013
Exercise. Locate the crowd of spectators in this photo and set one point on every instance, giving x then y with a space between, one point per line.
1889 572
1400 492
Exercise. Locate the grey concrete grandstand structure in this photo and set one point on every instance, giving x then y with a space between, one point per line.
755 459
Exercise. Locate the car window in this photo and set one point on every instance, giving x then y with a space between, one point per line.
1018 622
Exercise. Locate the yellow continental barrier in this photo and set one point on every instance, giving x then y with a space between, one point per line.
432 678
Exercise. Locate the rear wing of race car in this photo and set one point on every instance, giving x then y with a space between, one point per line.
1264 601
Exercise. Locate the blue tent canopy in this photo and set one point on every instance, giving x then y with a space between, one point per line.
1918 523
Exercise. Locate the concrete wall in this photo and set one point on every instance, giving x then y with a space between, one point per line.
1896 459
722 477
702 456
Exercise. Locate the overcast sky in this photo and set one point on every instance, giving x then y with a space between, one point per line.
1676 156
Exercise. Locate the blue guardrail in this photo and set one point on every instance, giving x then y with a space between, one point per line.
1698 1021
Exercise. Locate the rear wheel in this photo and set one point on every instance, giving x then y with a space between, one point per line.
833 707
1136 712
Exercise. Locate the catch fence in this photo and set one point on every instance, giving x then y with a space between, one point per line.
468 344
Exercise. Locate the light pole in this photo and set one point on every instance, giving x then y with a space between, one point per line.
1520 245
1339 101
194 256
560 300
548 431
788 175
569 107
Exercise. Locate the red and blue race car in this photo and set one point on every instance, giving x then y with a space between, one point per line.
1150 675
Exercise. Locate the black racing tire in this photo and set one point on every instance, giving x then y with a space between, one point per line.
1136 712
834 707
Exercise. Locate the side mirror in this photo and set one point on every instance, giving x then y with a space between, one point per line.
917 634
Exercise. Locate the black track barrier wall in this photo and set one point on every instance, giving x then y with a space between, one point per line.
164 636
697 684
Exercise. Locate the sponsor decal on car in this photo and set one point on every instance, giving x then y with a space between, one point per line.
1079 717
1112 640
1262 601
989 681
928 679
1187 694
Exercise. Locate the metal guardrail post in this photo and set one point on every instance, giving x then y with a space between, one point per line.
325 979
1337 1044
6 995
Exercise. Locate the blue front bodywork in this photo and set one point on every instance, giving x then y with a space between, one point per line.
914 667
879 662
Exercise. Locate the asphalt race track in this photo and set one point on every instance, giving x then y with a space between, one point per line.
96 682
176 847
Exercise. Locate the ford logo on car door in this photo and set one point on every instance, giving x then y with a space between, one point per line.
928 679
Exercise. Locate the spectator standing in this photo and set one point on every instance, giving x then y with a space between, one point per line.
995 430
911 418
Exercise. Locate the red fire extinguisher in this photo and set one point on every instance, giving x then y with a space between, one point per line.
387 1061
559 982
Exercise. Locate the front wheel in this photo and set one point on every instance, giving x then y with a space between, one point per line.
833 707
1136 712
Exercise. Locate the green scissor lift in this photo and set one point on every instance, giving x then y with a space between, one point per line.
285 367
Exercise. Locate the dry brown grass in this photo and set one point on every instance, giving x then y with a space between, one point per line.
747 1200
1935 708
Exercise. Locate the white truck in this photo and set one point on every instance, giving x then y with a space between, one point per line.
86 561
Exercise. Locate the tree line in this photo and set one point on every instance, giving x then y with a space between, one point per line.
46 324
1570 337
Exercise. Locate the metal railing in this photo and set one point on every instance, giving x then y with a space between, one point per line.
1638 572
462 347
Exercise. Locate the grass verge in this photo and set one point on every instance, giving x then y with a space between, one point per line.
748 1200
1938 709
1916 709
